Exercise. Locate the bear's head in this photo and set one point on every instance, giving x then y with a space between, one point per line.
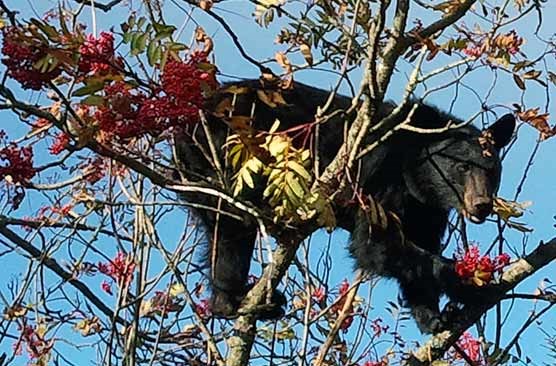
461 169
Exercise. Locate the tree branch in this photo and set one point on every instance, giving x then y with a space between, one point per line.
440 24
437 346
104 7
241 343
56 268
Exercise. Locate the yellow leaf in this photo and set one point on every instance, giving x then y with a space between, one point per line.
176 289
238 187
146 307
277 146
283 61
508 209
270 189
41 330
305 155
300 170
253 164
246 176
274 126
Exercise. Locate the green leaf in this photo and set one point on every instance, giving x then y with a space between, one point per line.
46 64
291 196
176 46
127 37
152 52
270 189
142 42
94 100
164 30
139 43
88 89
293 182
131 20
141 22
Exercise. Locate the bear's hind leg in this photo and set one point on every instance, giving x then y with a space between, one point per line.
229 258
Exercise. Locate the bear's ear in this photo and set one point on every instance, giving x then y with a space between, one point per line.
502 130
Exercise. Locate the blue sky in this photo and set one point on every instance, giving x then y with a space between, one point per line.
539 188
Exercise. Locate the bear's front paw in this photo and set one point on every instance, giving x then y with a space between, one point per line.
428 320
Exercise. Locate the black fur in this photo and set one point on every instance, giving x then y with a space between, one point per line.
418 177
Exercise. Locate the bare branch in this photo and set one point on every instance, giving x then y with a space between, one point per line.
56 268
104 7
440 24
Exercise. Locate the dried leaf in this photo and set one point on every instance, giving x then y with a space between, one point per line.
13 312
306 52
532 74
538 121
283 61
89 326
205 4
272 98
202 37
519 82
510 209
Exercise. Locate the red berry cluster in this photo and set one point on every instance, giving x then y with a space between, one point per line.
375 363
61 141
19 165
180 98
477 269
97 55
203 308
128 113
119 115
20 58
339 305
120 268
94 170
471 347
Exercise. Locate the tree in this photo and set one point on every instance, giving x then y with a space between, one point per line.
89 227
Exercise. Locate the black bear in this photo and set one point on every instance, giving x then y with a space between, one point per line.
417 177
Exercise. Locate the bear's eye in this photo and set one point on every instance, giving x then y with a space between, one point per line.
464 167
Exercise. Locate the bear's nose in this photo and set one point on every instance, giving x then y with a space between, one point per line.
482 207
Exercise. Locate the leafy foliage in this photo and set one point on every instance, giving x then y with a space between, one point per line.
288 181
